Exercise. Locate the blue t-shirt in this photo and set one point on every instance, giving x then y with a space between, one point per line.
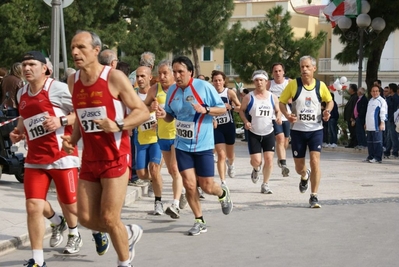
194 131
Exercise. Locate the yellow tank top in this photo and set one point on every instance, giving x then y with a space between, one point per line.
146 134
166 130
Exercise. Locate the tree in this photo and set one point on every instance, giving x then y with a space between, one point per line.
374 45
183 26
26 25
272 40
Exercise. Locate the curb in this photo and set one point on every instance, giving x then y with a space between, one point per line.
17 242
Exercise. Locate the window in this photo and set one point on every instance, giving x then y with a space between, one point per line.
206 53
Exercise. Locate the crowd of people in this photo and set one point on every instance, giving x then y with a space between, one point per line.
129 128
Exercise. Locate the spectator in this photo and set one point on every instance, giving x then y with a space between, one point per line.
10 84
333 124
375 124
359 113
390 127
348 115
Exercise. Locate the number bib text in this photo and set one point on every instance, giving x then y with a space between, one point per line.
34 126
87 115
185 129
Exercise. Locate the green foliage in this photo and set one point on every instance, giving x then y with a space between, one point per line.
272 40
373 43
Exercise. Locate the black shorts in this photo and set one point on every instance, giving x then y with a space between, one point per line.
259 143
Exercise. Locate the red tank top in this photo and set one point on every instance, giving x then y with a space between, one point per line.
96 102
44 147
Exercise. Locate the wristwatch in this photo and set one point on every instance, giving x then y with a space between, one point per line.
120 124
208 109
64 121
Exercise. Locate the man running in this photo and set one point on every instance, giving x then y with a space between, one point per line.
100 96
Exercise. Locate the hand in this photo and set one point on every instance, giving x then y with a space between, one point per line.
16 136
247 125
67 145
160 113
215 124
198 108
326 115
51 123
279 121
107 125
292 118
154 105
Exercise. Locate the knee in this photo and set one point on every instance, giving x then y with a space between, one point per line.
174 172
84 220
207 185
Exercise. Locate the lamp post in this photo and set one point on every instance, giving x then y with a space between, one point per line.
363 22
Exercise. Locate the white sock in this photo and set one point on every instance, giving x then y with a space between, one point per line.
56 219
183 191
38 256
124 263
94 232
176 202
74 231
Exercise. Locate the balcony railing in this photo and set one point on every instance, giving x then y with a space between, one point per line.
332 65
228 70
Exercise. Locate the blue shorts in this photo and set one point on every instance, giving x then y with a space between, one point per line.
301 140
146 154
202 162
166 144
258 143
283 128
225 134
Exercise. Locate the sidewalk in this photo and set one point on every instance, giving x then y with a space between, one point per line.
13 226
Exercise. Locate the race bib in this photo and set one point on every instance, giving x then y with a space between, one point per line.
34 126
88 115
223 119
147 125
263 110
307 114
185 129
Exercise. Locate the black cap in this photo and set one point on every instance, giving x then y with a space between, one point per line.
36 55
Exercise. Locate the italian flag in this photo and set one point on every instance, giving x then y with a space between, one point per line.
339 8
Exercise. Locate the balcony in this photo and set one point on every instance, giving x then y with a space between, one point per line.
328 66
228 70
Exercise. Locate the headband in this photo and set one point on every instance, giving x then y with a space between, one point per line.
261 76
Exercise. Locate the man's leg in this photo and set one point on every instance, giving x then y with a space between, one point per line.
315 175
190 184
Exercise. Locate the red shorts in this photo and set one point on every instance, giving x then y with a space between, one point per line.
93 171
37 183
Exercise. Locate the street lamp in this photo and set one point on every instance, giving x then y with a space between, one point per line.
363 22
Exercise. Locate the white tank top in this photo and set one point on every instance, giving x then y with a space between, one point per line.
277 89
261 111
307 108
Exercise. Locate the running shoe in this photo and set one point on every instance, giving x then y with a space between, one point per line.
255 175
31 263
135 234
158 208
57 233
74 244
285 171
303 184
173 211
138 183
200 193
230 170
227 204
198 227
265 189
314 201
374 161
183 201
150 190
102 243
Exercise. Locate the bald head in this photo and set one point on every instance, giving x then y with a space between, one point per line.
143 78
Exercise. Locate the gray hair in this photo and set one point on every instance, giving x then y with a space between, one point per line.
260 72
106 57
95 39
312 59
147 59
361 90
167 63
